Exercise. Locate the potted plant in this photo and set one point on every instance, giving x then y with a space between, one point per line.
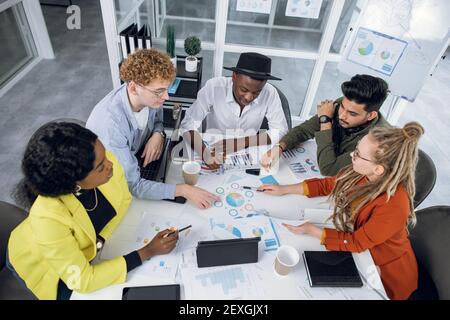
192 46
170 44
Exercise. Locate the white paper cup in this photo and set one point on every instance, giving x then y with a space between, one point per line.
191 172
286 259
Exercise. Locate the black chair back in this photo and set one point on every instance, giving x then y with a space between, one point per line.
425 177
286 111
10 217
10 288
430 239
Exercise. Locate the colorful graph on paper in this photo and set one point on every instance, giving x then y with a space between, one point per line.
235 201
255 226
302 161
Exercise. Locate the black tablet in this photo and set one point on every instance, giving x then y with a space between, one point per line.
162 292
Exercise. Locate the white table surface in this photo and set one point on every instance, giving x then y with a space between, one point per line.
280 287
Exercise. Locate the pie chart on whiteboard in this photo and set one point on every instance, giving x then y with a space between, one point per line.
365 48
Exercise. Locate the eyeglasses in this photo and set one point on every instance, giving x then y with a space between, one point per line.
158 93
356 154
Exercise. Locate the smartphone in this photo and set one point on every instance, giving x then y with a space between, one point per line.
253 171
161 292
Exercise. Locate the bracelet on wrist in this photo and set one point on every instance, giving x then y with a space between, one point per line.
279 146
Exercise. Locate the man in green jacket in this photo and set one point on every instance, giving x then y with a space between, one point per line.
338 125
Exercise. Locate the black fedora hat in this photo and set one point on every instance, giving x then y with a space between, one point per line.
254 65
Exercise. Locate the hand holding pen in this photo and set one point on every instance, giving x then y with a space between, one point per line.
253 188
162 243
212 159
272 189
173 230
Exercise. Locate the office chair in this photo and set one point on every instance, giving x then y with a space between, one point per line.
425 178
286 110
430 240
10 288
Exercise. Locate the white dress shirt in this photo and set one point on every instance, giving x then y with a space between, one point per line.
215 101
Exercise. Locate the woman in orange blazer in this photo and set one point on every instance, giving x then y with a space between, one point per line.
373 205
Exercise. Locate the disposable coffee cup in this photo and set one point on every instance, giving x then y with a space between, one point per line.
286 259
191 172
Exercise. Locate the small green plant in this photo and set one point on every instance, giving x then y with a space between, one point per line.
170 41
192 45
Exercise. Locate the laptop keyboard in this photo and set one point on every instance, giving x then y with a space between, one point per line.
151 170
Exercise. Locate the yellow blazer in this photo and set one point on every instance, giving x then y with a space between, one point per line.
57 241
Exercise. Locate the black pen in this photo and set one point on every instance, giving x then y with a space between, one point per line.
172 232
252 188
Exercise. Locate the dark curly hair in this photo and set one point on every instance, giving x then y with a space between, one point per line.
366 89
57 155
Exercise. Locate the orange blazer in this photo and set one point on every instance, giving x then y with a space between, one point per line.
380 227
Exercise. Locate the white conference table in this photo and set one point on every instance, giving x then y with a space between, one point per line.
291 286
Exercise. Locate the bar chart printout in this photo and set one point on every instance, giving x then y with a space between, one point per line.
229 282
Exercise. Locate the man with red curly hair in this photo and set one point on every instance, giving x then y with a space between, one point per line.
130 119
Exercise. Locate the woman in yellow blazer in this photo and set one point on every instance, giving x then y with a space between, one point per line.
78 195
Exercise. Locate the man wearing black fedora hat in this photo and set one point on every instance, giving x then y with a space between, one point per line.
236 106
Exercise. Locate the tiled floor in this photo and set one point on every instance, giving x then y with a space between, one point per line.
79 77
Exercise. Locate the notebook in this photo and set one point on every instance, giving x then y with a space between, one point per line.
331 269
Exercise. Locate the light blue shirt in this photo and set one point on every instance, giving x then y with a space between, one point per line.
113 121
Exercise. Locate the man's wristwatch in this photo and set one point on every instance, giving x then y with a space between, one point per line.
162 133
324 119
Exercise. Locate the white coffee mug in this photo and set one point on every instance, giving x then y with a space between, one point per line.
286 259
191 172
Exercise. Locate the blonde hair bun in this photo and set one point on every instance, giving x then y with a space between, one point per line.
414 130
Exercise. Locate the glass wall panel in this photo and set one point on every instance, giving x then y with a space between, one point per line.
349 14
17 48
207 55
330 87
295 75
275 29
190 18
134 11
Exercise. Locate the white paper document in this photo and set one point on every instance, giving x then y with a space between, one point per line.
256 6
377 51
302 161
216 283
162 266
303 8
330 293
317 216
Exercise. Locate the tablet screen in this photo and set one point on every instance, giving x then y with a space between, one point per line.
164 292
